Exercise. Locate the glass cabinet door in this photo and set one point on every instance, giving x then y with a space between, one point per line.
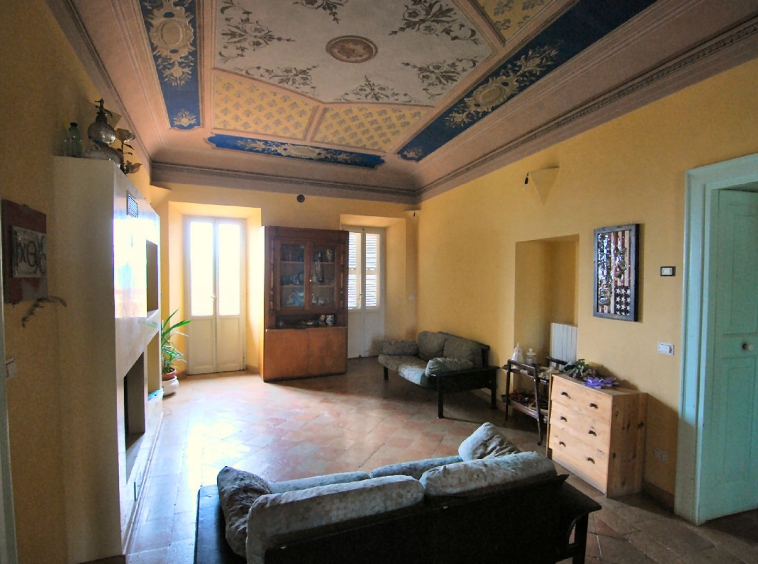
323 276
292 275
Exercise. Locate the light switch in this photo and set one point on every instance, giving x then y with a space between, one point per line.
11 369
666 348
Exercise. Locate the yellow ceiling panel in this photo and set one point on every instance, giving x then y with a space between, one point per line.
509 15
367 127
243 106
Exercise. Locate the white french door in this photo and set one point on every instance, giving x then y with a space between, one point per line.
365 291
215 295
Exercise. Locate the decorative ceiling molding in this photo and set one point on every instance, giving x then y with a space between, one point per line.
166 173
295 151
666 47
732 48
573 32
171 29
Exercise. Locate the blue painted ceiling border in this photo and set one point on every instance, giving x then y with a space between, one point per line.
171 27
295 151
581 26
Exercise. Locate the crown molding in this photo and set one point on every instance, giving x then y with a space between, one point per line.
728 50
164 173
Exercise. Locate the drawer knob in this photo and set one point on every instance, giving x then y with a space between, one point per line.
590 460
592 432
594 405
561 443
565 394
563 418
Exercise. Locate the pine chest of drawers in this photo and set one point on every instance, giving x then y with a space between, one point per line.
599 435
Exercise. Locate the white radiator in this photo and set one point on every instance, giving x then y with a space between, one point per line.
563 342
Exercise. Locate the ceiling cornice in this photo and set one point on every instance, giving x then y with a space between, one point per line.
165 173
732 48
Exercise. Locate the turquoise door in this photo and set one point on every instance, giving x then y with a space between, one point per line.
729 463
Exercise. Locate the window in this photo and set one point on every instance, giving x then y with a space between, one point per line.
363 269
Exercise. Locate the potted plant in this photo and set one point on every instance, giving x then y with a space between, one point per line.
169 353
581 370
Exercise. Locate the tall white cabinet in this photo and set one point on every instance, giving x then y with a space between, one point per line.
103 257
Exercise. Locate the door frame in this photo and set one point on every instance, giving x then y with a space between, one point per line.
696 366
188 219
382 309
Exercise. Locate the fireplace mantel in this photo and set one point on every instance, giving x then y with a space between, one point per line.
103 261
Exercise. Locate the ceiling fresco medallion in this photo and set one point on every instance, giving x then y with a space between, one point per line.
170 26
351 49
295 151
296 45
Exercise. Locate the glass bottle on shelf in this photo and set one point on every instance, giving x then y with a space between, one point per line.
322 287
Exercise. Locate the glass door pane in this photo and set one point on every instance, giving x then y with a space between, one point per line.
202 270
354 268
292 272
229 275
322 280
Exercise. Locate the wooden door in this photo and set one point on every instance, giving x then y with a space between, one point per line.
729 466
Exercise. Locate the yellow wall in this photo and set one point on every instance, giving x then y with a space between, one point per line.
43 88
631 170
545 290
176 201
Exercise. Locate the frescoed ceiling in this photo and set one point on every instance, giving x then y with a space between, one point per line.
384 99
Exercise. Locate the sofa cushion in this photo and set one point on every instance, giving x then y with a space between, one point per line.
487 441
443 365
237 490
313 481
413 469
475 477
393 362
284 517
402 346
431 344
416 372
455 347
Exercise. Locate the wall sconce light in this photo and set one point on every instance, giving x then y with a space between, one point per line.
542 180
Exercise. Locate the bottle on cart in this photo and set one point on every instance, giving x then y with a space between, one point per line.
531 356
518 355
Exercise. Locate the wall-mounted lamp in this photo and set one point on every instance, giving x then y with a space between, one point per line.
542 180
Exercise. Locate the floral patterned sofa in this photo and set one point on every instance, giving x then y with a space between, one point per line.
442 362
490 503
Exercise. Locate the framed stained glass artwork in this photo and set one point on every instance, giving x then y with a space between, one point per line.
616 272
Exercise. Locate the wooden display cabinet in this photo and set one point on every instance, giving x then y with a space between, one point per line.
306 303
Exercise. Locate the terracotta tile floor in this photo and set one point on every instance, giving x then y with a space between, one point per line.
356 421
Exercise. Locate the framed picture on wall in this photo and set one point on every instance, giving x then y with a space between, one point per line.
616 272
24 253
